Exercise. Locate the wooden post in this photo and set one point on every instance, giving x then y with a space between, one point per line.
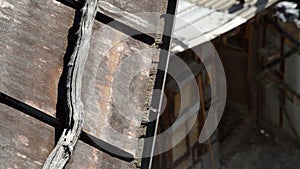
282 71
202 102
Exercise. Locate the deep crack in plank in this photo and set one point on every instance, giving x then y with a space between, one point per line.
60 155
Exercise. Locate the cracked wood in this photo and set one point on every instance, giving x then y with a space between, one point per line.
70 135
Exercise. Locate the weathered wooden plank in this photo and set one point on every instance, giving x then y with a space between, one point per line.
24 141
32 46
118 23
87 157
54 122
134 13
108 54
32 50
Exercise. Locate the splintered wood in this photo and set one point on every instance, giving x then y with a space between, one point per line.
83 30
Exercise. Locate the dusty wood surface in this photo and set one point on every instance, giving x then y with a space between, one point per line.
103 113
24 141
31 62
32 48
64 148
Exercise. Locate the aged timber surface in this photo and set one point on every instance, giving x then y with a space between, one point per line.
88 157
32 46
135 13
109 48
24 141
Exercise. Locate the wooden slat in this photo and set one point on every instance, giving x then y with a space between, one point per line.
54 122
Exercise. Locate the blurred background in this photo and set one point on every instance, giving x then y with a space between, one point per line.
257 42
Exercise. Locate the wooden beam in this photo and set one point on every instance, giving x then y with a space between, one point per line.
272 78
282 31
115 24
83 25
31 111
282 58
54 122
203 110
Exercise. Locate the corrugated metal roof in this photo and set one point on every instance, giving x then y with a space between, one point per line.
198 21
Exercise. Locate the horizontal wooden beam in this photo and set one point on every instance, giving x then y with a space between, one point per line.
282 31
276 61
31 111
115 24
54 122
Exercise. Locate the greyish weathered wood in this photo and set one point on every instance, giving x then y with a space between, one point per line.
62 151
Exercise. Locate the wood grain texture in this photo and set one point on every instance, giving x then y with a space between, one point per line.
24 141
32 47
74 123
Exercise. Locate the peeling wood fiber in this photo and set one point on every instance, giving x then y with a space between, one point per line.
74 108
